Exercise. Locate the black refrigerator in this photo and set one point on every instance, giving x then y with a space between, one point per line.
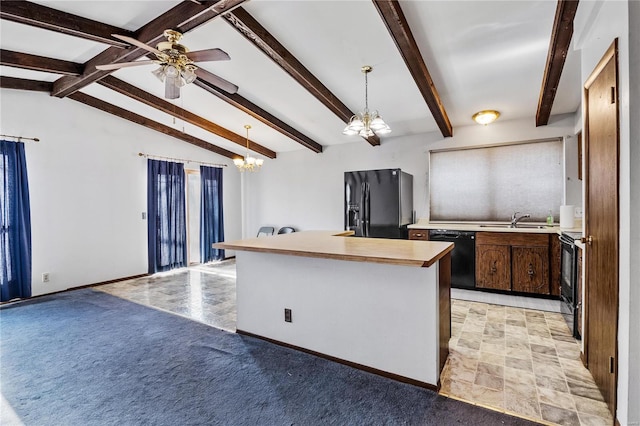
378 203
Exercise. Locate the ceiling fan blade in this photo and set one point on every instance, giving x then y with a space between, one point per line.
116 66
216 81
208 55
138 43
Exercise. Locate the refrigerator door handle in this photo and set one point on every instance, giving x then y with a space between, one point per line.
366 207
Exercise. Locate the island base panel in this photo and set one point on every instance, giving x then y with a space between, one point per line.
385 317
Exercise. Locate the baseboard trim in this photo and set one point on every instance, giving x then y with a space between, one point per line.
13 301
372 370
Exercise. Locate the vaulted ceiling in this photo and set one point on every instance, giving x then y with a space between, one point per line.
297 65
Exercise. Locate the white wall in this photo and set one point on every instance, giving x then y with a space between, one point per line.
305 190
88 188
597 25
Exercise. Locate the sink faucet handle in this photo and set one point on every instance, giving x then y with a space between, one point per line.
514 215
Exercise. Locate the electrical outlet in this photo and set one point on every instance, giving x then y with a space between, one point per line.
287 315
144 215
45 277
577 212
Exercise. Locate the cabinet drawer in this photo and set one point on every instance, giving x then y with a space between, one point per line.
513 239
419 234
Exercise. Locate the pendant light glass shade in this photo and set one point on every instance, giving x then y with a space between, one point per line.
248 163
366 123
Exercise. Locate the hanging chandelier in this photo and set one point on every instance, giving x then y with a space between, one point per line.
177 69
366 123
248 163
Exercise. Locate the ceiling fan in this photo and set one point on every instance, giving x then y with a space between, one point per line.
176 63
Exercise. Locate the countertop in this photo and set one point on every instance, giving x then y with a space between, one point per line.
340 245
525 227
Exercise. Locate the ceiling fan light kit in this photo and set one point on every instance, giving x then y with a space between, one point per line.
486 116
176 62
366 123
248 163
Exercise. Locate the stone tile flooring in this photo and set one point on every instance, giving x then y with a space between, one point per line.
205 293
520 361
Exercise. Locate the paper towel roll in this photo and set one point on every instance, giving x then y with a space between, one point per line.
566 216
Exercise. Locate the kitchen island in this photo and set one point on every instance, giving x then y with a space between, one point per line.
377 304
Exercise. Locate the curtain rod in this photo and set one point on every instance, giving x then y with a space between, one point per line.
182 160
20 138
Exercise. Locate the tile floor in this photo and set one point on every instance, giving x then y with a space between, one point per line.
516 360
205 293
521 361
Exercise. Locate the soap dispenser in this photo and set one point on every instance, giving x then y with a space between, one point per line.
550 219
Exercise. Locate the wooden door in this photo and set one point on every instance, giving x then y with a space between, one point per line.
493 266
601 223
579 305
530 269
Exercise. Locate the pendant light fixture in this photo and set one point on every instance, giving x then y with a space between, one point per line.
248 163
366 123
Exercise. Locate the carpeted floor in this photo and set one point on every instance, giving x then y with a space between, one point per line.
88 358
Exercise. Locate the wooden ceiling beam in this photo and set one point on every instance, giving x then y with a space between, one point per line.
558 48
39 63
24 84
183 17
260 114
398 27
44 17
153 125
255 33
167 107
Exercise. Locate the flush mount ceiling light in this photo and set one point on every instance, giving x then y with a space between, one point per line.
248 163
366 123
486 117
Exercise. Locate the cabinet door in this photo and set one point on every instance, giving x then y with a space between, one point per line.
530 269
418 234
493 268
554 264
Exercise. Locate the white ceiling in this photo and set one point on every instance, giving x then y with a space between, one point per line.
481 55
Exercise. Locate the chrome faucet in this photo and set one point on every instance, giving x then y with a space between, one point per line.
515 218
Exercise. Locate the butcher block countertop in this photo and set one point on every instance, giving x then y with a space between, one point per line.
341 246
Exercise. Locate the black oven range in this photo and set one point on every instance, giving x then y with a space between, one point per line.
569 280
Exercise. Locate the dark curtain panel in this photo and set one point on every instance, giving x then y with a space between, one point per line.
166 215
211 222
15 223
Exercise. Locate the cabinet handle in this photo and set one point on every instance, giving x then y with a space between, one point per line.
531 272
494 269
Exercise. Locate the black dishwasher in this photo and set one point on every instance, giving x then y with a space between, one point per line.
463 256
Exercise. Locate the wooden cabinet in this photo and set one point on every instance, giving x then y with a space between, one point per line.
419 234
513 262
530 269
493 269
